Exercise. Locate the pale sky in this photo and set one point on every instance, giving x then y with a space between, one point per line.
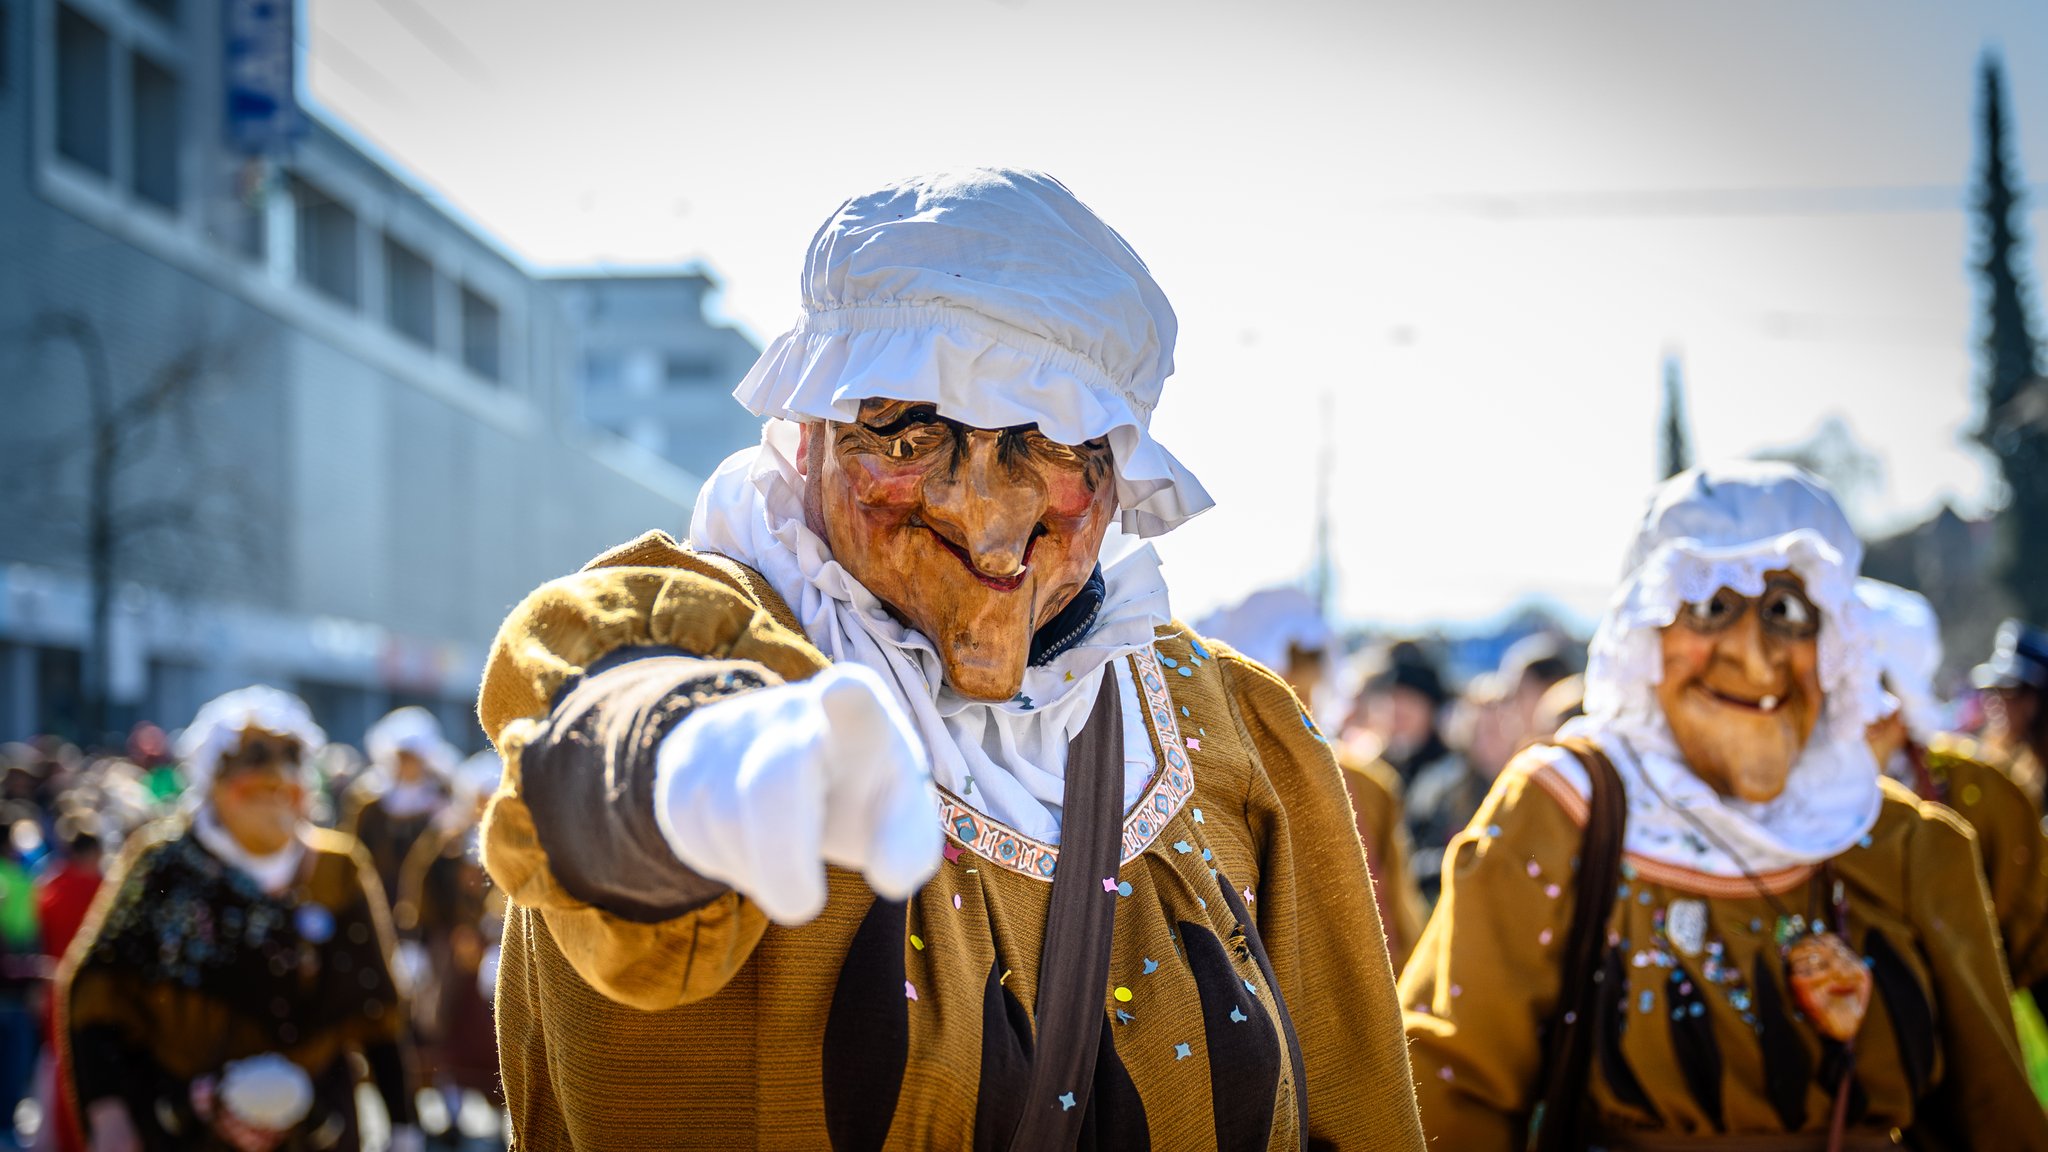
1476 227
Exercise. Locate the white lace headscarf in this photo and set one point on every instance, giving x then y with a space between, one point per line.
1727 527
1905 645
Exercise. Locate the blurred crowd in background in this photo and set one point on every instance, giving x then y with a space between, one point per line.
411 803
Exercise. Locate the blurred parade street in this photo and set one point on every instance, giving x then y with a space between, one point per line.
1298 575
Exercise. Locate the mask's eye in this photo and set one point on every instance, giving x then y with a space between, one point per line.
1713 615
1788 612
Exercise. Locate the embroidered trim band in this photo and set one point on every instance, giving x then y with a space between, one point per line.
1005 847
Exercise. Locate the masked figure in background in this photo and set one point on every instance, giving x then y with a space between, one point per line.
1705 915
230 966
1132 911
1399 720
404 789
1283 629
1912 748
447 902
2015 686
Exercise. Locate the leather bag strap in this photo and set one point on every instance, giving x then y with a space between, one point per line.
1560 1121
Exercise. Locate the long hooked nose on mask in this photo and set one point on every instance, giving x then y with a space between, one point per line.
985 509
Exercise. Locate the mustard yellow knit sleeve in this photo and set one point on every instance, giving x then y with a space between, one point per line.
2015 854
548 641
1985 1097
1321 926
1485 976
1376 801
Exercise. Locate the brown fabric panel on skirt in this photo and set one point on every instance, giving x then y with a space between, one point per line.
1073 967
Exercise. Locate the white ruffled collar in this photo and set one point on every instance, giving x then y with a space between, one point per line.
1006 759
1831 800
273 873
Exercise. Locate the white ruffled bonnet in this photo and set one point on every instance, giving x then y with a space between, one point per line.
410 729
996 295
217 729
1726 527
1905 645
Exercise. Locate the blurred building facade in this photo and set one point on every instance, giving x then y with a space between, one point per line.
331 432
649 368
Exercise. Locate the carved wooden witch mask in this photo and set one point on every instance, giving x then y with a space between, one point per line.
973 536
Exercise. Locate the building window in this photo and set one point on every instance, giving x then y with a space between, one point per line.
409 293
690 371
479 334
85 120
153 144
327 244
601 371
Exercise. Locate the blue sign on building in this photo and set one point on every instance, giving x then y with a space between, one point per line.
263 115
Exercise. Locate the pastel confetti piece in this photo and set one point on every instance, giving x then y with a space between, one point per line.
1251 988
909 990
1198 815
1066 1101
1004 978
1543 937
1123 994
1444 1073
1185 670
1194 745
1183 847
952 851
1248 897
956 901
1151 965
917 941
1457 990
1535 869
1167 660
1109 883
1552 891
1237 1016
1202 902
1123 1017
1208 855
1182 1052
1184 710
1124 889
1070 677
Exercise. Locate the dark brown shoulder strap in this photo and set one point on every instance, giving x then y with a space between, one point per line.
1073 963
1561 1120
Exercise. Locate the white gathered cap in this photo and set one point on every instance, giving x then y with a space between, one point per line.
1905 644
1268 623
997 296
410 729
481 773
217 729
1727 527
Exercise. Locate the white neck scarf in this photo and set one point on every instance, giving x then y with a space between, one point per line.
1008 759
273 873
1830 801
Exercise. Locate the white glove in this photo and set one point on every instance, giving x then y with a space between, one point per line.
761 791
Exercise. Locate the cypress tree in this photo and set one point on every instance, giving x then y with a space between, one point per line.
1676 454
2010 358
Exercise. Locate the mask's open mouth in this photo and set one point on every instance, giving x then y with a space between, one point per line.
1763 705
1008 583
